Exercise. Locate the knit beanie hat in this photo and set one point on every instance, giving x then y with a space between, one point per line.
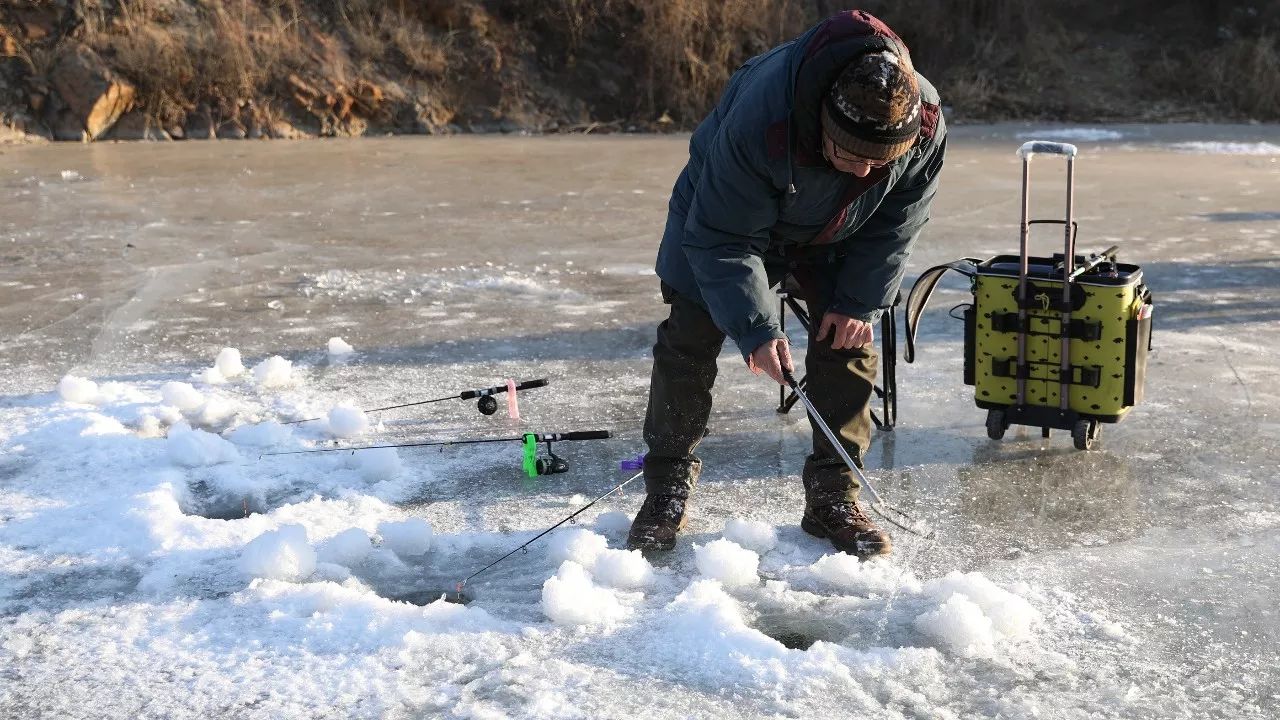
873 108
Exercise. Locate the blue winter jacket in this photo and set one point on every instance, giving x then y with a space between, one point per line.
757 190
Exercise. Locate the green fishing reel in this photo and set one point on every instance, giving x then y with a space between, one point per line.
535 466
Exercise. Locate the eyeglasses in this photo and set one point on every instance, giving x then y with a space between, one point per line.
835 151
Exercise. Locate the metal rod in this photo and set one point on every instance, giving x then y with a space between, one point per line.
826 430
1023 269
1068 269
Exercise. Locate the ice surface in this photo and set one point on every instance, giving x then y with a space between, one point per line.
751 534
1226 148
407 538
281 554
1085 583
1072 134
76 389
728 562
273 372
347 420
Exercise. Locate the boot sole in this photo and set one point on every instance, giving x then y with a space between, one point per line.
860 549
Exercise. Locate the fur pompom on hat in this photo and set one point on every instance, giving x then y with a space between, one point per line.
873 108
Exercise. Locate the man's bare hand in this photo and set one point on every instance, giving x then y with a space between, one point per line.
848 332
770 358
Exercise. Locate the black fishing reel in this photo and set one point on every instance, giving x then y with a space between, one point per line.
487 405
551 465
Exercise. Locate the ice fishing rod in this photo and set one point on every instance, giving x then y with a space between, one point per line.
881 508
487 404
459 596
531 463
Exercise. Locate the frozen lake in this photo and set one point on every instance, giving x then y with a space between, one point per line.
1137 580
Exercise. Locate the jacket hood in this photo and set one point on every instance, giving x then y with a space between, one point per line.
817 58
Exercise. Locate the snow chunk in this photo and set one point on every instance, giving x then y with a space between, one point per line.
181 395
261 435
613 522
228 363
348 548
751 534
76 389
197 448
960 625
577 545
282 554
623 569
214 411
704 630
407 538
380 464
275 371
339 347
209 376
346 420
570 598
862 577
728 562
1010 615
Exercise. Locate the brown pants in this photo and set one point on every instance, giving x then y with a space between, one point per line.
839 383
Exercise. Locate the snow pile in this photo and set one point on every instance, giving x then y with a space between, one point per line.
623 569
704 630
751 534
877 575
181 395
225 366
570 597
273 372
197 448
347 420
339 347
1072 134
261 435
348 548
379 464
281 554
613 522
75 389
728 562
407 538
214 411
960 625
228 363
1226 148
576 545
974 614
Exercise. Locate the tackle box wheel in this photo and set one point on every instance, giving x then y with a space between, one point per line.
1085 433
996 424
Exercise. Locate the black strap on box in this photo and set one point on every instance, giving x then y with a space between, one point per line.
1077 329
1086 375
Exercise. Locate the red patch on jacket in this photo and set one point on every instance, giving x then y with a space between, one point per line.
928 119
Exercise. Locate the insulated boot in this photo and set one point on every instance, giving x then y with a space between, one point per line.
848 528
660 519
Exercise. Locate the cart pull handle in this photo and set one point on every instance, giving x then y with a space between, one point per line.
1044 147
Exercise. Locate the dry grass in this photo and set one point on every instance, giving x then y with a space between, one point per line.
636 60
